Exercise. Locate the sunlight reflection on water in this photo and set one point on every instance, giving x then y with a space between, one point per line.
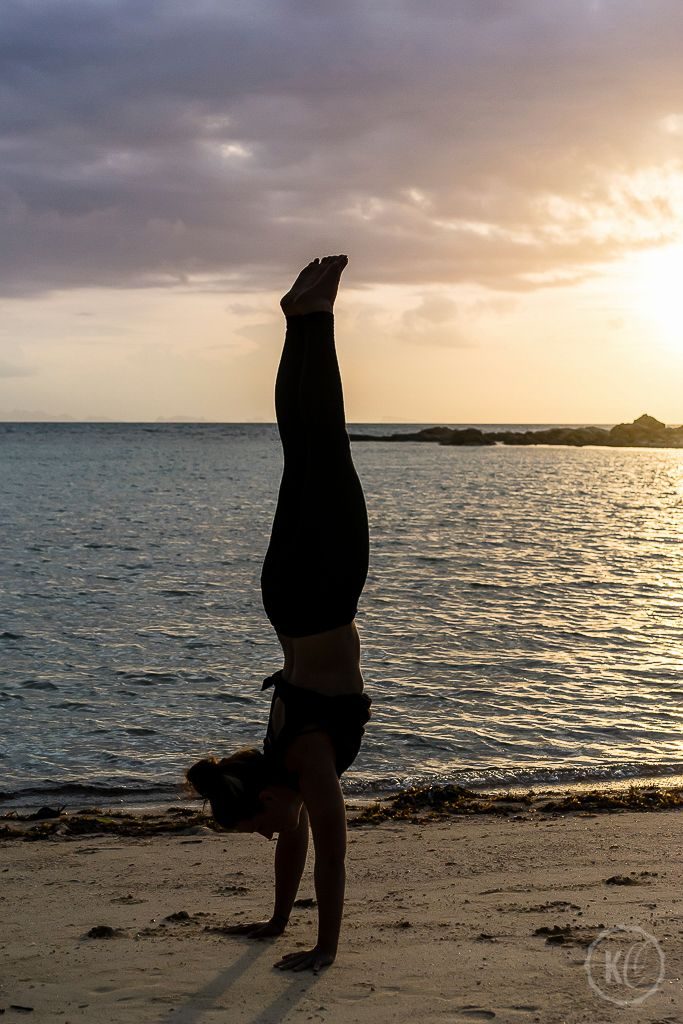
521 620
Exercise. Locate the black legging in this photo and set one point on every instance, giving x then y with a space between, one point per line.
317 559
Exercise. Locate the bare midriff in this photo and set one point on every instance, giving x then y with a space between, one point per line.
326 662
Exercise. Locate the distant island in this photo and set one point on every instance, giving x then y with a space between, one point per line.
645 432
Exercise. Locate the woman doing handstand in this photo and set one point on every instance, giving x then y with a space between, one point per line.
313 575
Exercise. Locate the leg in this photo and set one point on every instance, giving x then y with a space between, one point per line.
287 383
317 560
291 429
313 291
334 558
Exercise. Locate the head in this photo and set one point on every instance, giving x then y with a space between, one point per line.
241 796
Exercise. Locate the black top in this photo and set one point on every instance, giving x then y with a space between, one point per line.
342 716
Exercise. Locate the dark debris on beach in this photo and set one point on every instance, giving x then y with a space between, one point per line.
417 805
62 824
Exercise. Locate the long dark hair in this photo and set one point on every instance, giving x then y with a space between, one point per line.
231 784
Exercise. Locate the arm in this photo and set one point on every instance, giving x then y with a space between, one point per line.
328 824
290 859
312 757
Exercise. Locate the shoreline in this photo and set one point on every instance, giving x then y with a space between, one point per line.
419 805
17 801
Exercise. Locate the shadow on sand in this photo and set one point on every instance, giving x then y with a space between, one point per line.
204 1000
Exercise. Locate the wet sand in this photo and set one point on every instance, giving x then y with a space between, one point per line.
453 913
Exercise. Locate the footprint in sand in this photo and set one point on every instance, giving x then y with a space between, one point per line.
367 989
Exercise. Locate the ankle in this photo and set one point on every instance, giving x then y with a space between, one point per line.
305 307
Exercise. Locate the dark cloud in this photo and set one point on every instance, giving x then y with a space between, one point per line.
213 143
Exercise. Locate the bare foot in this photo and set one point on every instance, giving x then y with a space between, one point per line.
307 276
315 289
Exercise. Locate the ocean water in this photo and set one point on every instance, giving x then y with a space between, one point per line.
521 622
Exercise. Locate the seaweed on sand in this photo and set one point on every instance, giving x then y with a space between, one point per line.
95 821
420 804
417 804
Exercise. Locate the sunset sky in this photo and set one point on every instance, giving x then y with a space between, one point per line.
505 175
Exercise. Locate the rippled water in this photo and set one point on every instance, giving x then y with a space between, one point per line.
521 621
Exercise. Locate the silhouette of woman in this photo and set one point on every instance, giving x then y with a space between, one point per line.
313 574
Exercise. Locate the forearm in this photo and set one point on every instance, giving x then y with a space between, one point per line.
330 882
290 859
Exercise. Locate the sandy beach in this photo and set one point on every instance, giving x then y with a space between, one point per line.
484 916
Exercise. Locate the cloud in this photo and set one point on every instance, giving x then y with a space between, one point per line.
212 145
436 320
10 369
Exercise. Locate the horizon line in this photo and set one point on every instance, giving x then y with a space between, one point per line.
379 423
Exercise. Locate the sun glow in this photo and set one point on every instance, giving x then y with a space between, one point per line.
657 292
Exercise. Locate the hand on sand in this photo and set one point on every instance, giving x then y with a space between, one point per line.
313 958
315 289
257 929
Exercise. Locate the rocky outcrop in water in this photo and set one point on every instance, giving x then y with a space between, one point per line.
645 432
